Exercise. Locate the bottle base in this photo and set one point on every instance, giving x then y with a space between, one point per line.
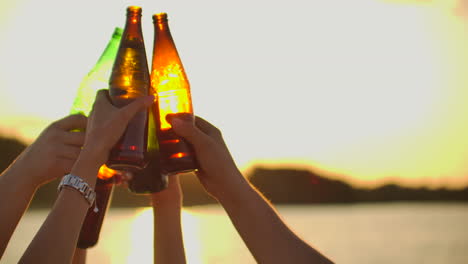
125 167
179 165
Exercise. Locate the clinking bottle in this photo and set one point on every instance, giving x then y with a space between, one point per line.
91 228
170 85
129 80
96 79
150 179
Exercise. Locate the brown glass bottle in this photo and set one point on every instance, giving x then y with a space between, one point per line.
150 179
170 85
129 80
92 224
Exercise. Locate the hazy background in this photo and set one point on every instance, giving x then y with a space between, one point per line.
365 90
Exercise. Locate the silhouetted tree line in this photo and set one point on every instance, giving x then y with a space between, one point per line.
281 186
302 186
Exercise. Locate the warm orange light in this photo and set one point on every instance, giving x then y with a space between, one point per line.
170 141
178 155
127 80
105 172
172 90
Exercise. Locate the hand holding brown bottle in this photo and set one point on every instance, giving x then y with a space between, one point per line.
253 216
106 118
218 173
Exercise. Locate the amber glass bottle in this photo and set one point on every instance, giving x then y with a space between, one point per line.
170 85
92 224
150 179
130 80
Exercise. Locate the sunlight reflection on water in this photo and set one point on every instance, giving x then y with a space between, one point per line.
211 246
360 233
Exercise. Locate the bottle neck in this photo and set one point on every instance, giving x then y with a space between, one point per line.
164 50
160 22
132 29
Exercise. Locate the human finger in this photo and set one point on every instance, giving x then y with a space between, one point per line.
71 122
128 111
102 100
68 151
207 127
186 128
74 138
65 164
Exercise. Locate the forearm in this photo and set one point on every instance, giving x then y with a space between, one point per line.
79 256
168 239
16 196
56 240
268 238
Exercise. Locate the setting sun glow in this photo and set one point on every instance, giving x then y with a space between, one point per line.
367 90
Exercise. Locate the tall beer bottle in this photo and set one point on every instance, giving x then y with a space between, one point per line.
150 179
96 79
170 85
130 80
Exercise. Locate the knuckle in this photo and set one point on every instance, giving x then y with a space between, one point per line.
79 118
52 134
217 132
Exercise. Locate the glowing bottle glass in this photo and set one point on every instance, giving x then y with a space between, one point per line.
130 80
170 85
96 79
150 179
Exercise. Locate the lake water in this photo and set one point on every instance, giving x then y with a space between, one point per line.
363 233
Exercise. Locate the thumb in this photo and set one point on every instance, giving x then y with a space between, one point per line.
131 109
184 126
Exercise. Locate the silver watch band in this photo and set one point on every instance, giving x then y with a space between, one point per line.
80 185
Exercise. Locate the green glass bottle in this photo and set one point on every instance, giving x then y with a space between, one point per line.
97 79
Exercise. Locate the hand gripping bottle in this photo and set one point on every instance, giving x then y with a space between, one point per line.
170 85
130 80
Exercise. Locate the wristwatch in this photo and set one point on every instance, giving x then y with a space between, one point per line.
80 185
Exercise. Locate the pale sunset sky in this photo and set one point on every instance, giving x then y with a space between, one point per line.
368 90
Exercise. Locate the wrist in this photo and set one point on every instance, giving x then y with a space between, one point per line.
94 152
87 168
229 187
77 184
234 193
24 175
158 202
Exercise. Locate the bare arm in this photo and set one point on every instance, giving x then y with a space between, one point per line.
266 235
264 232
79 256
56 240
20 180
168 239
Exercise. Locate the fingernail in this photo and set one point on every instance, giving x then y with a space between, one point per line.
180 118
176 121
